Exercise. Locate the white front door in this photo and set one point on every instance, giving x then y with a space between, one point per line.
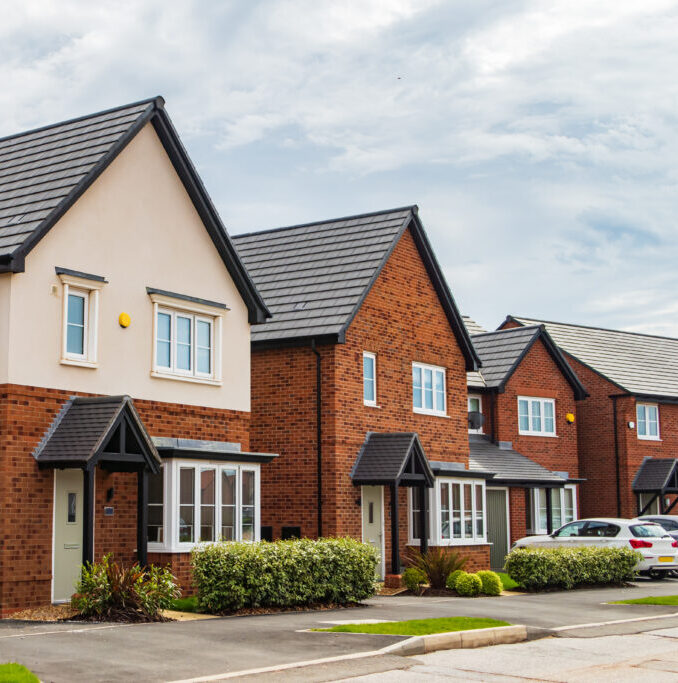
68 527
373 521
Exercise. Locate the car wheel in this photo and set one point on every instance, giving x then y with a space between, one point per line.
657 574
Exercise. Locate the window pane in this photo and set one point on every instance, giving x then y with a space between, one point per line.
154 529
456 510
204 333
416 516
556 511
164 340
523 416
468 512
416 387
204 348
247 509
428 389
445 511
228 505
640 414
207 495
652 420
440 390
186 504
75 328
368 379
72 507
75 339
368 367
480 512
76 309
549 422
474 405
183 343
569 505
541 494
536 416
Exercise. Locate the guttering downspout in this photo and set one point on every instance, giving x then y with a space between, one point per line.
616 453
319 435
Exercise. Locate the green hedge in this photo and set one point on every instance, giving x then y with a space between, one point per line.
539 568
229 576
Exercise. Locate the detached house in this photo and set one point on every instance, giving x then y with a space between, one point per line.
628 427
125 317
359 383
526 393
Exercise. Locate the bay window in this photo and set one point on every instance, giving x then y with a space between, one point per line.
563 508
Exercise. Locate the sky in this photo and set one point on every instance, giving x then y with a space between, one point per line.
539 139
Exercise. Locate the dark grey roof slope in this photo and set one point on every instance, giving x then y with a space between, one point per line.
383 459
502 351
656 474
83 427
43 172
508 466
642 364
314 277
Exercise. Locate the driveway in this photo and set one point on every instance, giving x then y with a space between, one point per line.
184 650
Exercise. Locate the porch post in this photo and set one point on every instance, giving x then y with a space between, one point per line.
549 512
88 514
142 516
395 549
423 517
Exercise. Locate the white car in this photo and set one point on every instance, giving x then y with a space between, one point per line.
659 550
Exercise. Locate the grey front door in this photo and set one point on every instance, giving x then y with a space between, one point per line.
67 532
497 526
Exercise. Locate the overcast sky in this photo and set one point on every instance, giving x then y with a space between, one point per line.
539 139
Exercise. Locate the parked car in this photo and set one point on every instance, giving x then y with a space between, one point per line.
659 549
669 522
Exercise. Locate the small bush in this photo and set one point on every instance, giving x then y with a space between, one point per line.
108 591
539 568
437 564
468 585
414 579
230 576
451 582
491 582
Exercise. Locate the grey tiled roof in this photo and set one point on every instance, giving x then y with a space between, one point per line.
508 465
82 428
472 326
656 474
41 168
639 363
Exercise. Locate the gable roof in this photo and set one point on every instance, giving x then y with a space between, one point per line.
314 277
641 364
502 351
43 172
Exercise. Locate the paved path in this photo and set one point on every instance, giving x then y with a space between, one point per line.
184 650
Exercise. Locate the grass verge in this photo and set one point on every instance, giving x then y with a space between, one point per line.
508 583
16 673
657 600
418 627
185 604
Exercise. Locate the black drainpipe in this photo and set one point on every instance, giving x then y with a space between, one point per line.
616 454
319 434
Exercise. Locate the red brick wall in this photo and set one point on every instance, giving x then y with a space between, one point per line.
519 511
27 501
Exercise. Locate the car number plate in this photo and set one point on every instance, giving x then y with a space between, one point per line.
666 559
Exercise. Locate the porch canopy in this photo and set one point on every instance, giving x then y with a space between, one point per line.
395 459
105 431
656 477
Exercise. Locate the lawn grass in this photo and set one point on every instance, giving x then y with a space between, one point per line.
16 673
508 583
657 600
185 604
418 627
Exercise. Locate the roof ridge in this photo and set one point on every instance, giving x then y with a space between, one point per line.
508 329
158 100
591 327
413 207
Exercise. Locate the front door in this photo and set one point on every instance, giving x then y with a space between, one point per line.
497 526
373 521
68 530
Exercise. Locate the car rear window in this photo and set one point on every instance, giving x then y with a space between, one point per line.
647 530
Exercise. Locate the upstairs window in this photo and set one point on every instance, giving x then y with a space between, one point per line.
428 389
369 379
647 416
76 323
536 416
475 405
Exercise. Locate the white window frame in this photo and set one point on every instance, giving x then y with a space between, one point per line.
373 357
534 522
171 482
478 398
648 436
440 412
434 522
196 312
542 401
89 290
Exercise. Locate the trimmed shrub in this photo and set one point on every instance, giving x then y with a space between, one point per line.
414 579
451 582
491 582
108 591
468 585
538 568
230 576
437 563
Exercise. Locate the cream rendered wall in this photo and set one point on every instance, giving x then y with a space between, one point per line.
5 284
137 227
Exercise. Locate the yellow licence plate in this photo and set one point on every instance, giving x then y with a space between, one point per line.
666 559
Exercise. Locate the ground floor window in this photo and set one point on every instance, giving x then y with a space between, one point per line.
645 498
563 508
200 502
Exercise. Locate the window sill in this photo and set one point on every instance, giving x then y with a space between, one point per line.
184 547
649 438
80 363
372 405
187 378
430 413
446 542
548 436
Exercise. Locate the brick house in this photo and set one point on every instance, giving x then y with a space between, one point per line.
359 383
526 393
125 318
628 426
